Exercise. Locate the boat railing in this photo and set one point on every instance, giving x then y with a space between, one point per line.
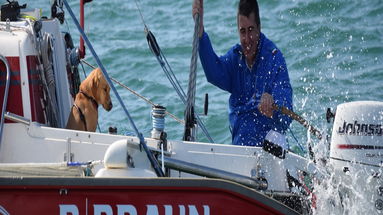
16 118
255 183
6 91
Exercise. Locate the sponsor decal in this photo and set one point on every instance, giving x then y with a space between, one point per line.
121 209
360 129
374 155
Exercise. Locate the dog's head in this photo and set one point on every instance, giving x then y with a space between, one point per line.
100 89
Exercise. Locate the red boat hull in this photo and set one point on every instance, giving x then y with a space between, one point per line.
90 196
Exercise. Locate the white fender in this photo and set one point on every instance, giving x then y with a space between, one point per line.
121 158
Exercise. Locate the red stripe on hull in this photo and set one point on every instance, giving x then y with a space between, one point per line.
348 146
14 103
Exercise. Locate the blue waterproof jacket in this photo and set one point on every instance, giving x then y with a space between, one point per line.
268 75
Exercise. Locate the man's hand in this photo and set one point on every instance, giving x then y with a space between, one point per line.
198 8
266 105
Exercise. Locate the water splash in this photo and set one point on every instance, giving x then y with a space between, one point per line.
352 190
348 193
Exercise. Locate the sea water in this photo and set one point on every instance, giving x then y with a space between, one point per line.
333 50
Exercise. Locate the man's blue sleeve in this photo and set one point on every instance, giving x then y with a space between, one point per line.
217 69
282 92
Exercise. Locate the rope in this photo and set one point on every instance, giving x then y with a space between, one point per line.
189 112
137 94
49 77
146 100
37 42
193 64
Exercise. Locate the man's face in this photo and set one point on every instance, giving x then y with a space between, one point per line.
249 35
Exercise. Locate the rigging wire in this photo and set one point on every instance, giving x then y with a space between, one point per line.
156 50
141 16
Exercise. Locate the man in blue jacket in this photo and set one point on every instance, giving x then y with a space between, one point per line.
255 74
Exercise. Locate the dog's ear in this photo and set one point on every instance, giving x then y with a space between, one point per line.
95 83
85 85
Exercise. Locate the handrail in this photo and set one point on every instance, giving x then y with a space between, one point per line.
16 118
150 156
6 91
209 172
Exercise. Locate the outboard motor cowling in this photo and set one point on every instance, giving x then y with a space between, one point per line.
356 157
357 134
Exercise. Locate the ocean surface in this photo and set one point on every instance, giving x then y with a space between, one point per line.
333 50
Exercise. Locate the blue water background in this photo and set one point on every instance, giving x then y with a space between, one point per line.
333 50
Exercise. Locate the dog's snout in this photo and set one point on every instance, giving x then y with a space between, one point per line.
110 106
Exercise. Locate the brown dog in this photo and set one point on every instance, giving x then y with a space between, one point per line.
94 90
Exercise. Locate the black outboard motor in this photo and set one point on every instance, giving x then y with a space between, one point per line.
11 10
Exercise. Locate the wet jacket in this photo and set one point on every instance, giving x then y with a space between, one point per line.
268 74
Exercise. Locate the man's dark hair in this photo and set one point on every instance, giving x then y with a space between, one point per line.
246 7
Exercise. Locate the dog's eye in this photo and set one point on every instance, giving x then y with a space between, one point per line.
105 89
